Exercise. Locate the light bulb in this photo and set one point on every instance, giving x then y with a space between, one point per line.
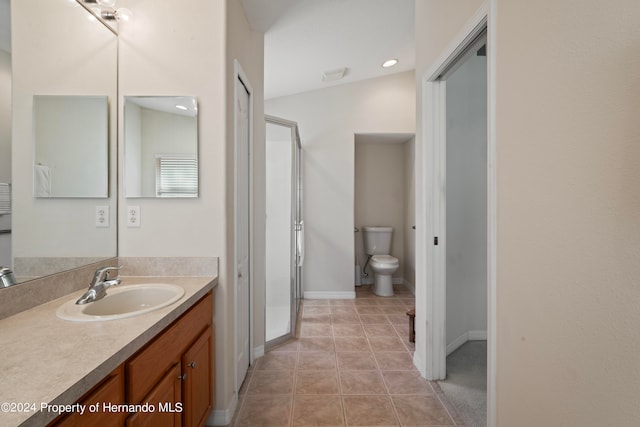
123 14
107 3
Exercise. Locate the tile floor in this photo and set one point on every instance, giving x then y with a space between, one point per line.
351 365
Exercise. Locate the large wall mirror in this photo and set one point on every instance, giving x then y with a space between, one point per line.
160 146
56 51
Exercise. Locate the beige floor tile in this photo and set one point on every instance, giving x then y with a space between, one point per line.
312 302
362 382
383 343
315 330
373 318
394 361
315 309
292 345
315 361
347 302
390 301
369 309
271 382
347 330
356 361
343 309
351 344
317 382
421 411
265 410
394 309
317 318
379 329
365 301
345 319
284 360
406 382
317 344
369 411
317 411
398 319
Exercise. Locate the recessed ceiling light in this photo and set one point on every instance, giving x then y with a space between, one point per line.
181 107
389 63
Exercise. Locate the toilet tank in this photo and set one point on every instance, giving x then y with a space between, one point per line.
377 240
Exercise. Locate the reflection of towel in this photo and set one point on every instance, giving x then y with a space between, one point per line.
5 199
42 181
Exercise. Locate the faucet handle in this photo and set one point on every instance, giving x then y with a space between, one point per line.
102 272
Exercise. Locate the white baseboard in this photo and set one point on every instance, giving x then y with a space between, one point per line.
370 280
329 295
223 417
258 352
467 336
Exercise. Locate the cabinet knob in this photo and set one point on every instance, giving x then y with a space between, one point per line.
182 377
191 365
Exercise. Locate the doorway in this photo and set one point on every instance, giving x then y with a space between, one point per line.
284 232
431 242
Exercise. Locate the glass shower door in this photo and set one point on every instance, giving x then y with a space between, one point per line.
284 236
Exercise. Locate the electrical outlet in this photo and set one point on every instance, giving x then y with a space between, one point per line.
102 216
133 216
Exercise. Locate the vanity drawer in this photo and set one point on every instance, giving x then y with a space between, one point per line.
145 369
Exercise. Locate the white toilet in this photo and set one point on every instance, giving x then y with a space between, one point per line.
377 244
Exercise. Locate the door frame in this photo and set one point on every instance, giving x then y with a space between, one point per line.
239 74
430 354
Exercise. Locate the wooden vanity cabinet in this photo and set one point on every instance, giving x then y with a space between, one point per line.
173 374
111 390
183 356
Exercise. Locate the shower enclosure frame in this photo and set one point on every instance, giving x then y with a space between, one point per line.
296 230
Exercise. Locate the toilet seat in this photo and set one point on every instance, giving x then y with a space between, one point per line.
384 260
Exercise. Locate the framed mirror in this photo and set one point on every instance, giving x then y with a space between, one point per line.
71 141
66 55
160 146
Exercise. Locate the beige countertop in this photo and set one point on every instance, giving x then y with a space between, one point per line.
47 360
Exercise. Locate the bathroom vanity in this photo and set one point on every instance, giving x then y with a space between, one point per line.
153 369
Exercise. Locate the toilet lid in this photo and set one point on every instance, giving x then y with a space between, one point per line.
384 259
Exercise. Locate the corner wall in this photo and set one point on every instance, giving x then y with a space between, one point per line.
328 119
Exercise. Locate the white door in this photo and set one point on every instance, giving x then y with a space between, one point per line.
243 123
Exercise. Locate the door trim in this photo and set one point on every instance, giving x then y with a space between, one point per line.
239 74
430 354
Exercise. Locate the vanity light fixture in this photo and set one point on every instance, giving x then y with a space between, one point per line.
121 14
389 63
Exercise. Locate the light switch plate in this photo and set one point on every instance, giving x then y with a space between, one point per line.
133 216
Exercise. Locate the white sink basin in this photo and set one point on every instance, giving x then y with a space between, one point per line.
121 302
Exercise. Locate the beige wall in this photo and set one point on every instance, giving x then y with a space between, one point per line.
5 116
179 49
567 98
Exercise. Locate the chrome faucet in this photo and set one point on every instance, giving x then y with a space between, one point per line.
99 284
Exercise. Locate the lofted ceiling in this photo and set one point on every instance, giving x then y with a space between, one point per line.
306 38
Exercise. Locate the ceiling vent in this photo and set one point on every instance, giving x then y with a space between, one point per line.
333 75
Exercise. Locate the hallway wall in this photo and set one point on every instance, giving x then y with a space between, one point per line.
328 120
568 230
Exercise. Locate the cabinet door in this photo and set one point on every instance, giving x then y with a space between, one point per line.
197 364
165 407
110 391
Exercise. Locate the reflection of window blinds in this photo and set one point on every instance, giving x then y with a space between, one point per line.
5 198
176 175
